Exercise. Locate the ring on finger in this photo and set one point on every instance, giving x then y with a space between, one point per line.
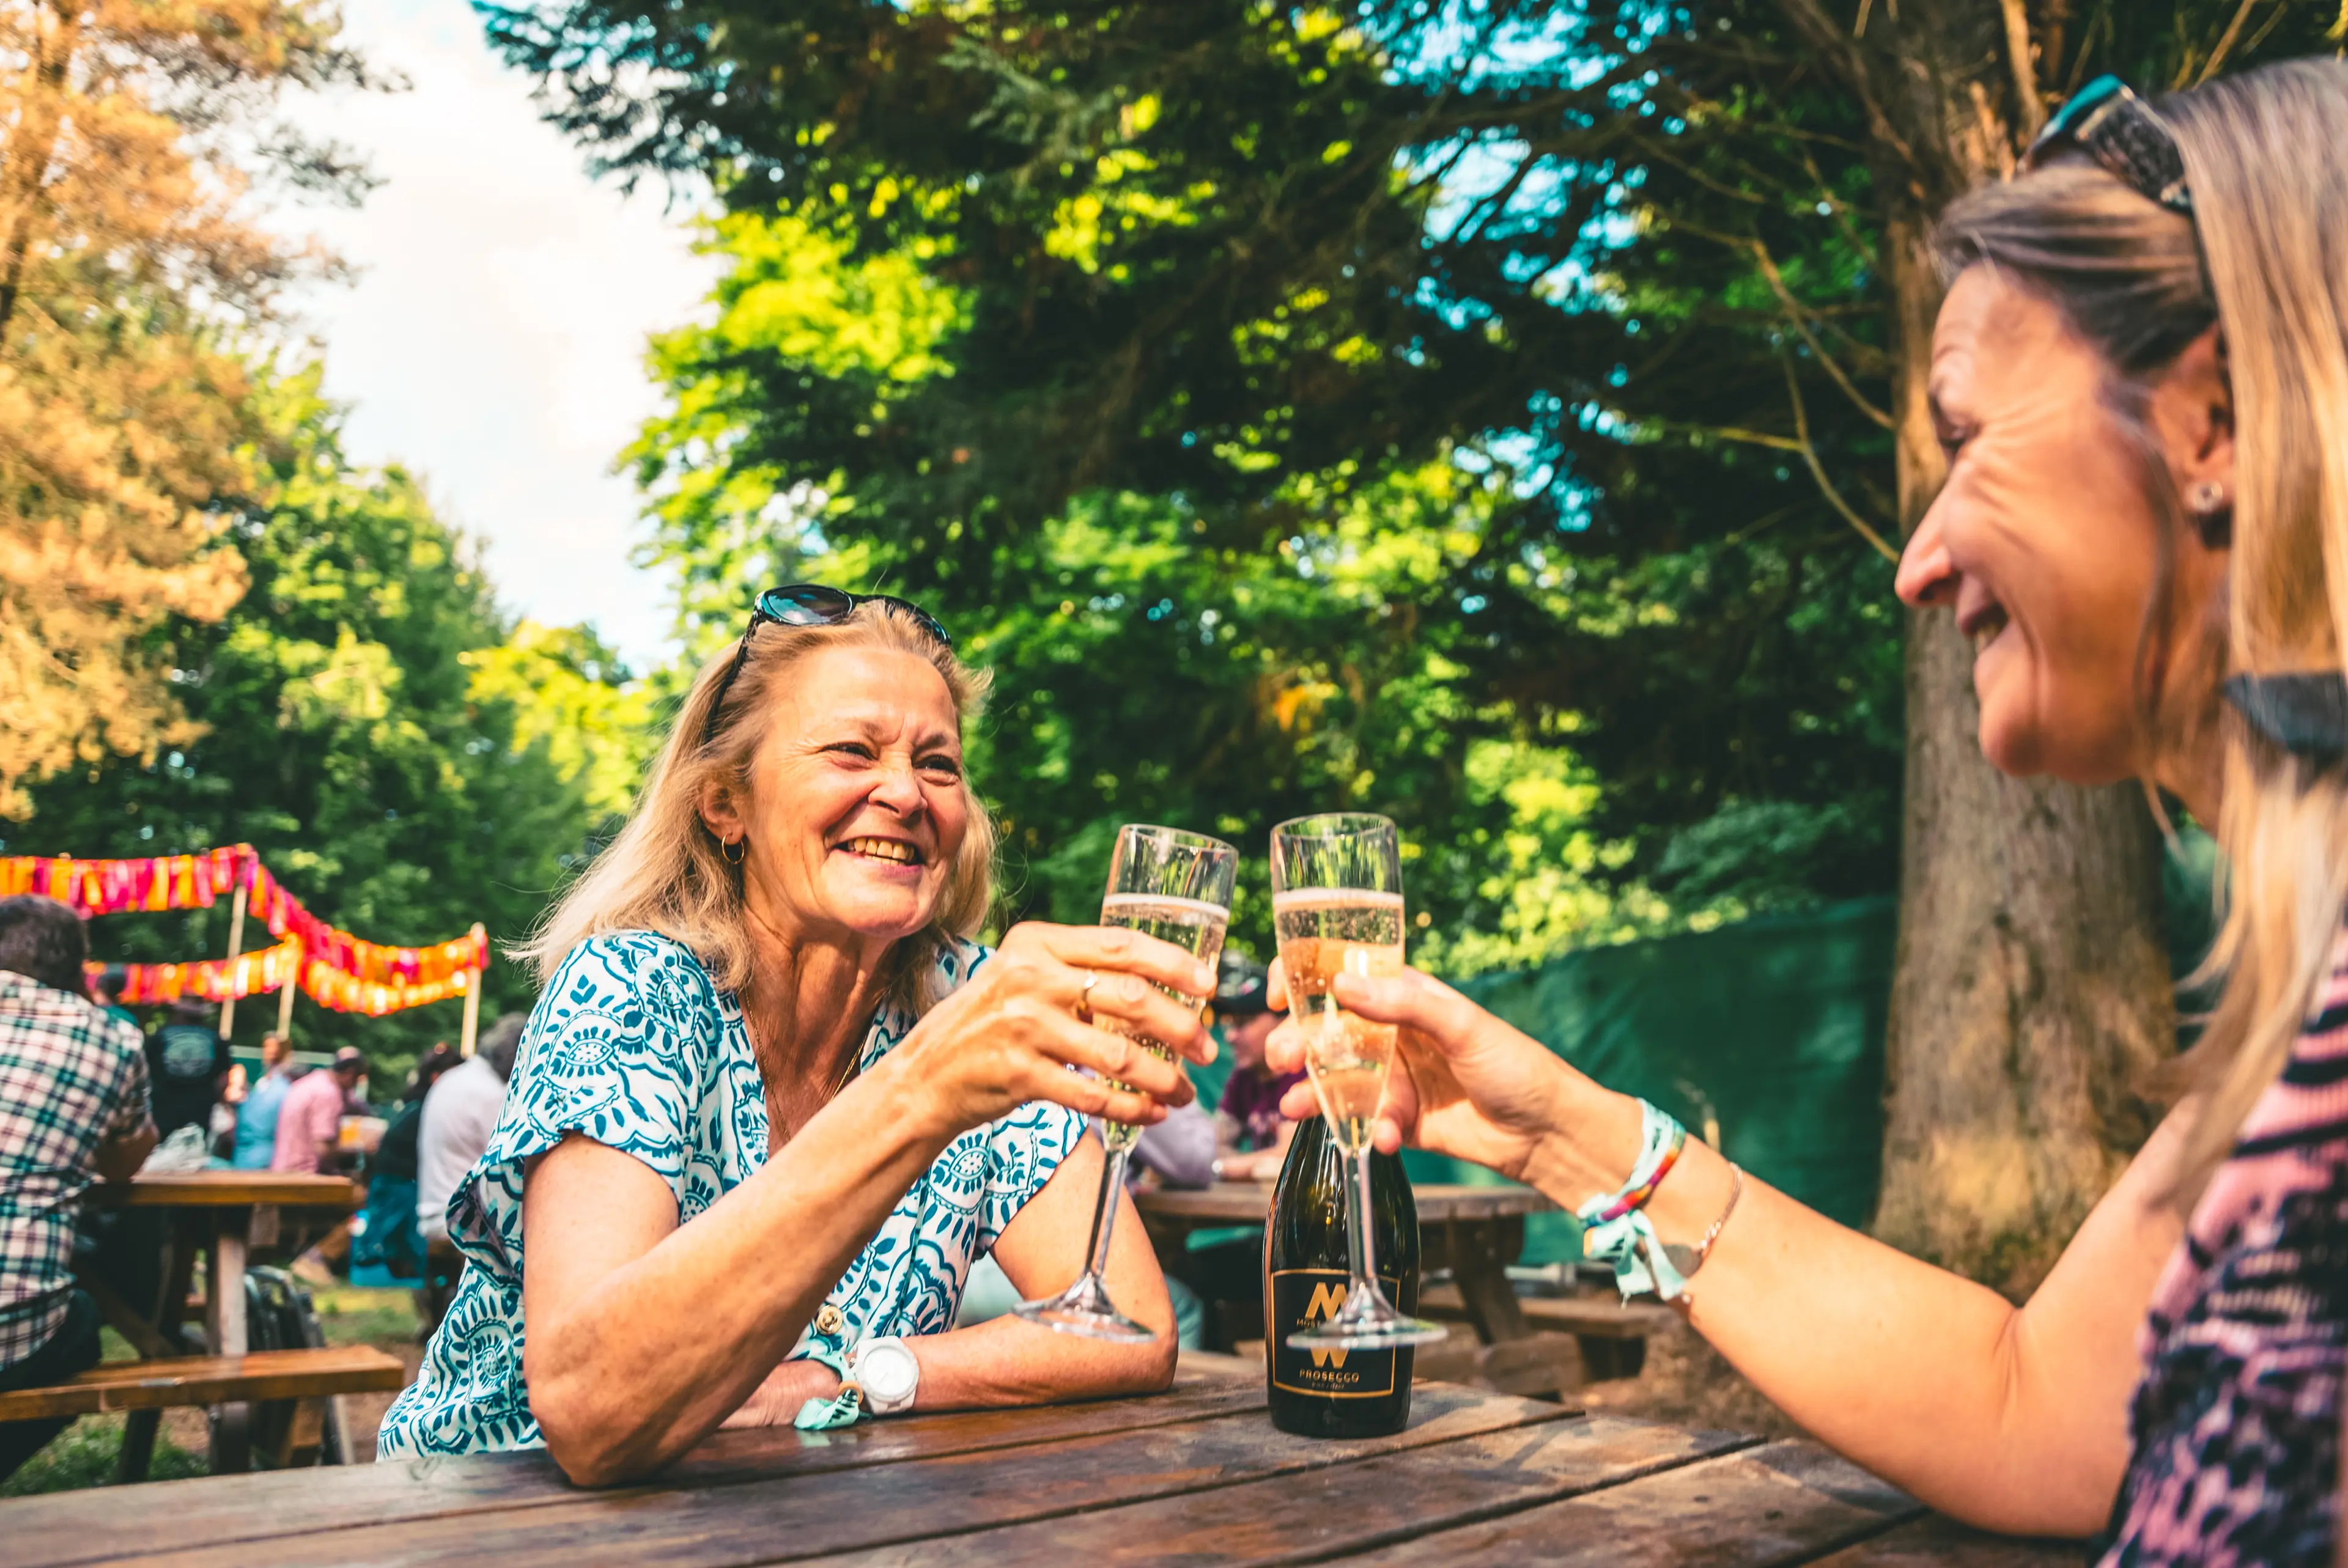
1085 997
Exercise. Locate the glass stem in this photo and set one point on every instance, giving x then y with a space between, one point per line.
1360 1245
1104 1210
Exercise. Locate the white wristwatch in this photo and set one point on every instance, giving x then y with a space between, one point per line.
888 1372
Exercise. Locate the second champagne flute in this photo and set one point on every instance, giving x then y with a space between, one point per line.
1336 905
1176 886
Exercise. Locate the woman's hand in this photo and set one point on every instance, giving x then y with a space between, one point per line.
777 1402
1470 1086
1012 1033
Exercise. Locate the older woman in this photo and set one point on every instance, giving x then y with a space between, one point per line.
2141 380
773 1101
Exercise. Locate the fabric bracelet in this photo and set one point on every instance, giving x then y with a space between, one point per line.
1616 1230
842 1409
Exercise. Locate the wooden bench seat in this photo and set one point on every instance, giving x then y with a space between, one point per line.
261 1376
1613 1335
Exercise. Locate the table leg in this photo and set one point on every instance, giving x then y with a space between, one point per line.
1481 1251
224 1326
137 1447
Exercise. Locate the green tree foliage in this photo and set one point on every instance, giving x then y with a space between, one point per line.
1165 353
406 759
1504 385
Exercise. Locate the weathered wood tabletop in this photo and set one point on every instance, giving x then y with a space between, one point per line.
229 1190
1197 1476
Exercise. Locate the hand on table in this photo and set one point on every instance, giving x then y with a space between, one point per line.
775 1402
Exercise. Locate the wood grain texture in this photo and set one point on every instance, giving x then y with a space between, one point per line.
1782 1503
209 1380
1935 1542
101 1527
1330 1513
229 1189
780 1519
1247 1203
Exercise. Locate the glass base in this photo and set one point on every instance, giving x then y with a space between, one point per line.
1367 1322
1085 1309
1390 1335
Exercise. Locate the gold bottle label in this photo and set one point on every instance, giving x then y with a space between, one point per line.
1301 1298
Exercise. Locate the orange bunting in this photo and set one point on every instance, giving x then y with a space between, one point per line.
338 970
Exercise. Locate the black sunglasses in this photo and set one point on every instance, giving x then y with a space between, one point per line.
2119 130
810 604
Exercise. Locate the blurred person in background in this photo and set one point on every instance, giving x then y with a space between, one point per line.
188 1066
310 1122
457 1119
256 1117
385 1232
441 1059
1251 1136
73 1109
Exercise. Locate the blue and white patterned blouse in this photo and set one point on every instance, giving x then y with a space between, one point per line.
634 1045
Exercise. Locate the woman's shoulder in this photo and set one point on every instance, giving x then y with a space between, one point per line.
635 963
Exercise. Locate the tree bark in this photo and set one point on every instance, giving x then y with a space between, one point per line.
2030 996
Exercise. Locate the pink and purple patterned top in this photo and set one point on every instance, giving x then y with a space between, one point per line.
2236 1420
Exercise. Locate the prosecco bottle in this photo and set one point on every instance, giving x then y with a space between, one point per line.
1334 1393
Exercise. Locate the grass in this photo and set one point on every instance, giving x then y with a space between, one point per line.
84 1454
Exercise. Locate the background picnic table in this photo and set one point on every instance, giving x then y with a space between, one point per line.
1198 1474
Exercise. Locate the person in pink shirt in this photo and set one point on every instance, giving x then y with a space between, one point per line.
310 1121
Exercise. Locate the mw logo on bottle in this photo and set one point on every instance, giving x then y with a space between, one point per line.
1327 1298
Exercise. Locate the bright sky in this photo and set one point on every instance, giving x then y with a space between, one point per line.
494 339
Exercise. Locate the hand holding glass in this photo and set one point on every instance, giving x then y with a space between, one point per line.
1337 907
1176 886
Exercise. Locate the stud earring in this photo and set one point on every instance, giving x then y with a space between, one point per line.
2209 497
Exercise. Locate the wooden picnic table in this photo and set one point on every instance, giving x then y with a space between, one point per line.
1197 1475
1474 1231
219 1214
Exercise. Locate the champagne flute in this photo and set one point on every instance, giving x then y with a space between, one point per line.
1176 886
1337 906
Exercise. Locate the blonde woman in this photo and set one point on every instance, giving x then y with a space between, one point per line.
774 1102
2140 377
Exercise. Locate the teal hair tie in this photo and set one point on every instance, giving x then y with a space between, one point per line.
1616 1231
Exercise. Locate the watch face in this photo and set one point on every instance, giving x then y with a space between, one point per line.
888 1371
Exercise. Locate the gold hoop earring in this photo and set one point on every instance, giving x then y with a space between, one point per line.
734 850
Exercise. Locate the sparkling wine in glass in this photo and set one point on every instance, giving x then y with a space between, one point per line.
1337 907
1175 886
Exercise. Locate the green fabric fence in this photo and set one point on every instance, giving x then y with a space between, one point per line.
1771 1029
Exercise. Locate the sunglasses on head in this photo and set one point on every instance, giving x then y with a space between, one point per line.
2120 131
810 604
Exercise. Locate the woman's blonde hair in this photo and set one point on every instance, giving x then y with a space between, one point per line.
666 872
2265 255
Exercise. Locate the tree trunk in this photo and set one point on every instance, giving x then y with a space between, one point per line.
2031 995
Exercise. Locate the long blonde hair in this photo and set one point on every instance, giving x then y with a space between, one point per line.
2265 255
665 871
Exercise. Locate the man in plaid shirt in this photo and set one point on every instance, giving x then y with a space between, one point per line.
73 1108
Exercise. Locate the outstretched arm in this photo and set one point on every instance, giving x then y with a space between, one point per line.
2010 1418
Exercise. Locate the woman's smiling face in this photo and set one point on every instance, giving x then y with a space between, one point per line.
856 806
2041 540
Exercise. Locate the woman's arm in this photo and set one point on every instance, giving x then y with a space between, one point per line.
1011 1361
643 1335
2012 1418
